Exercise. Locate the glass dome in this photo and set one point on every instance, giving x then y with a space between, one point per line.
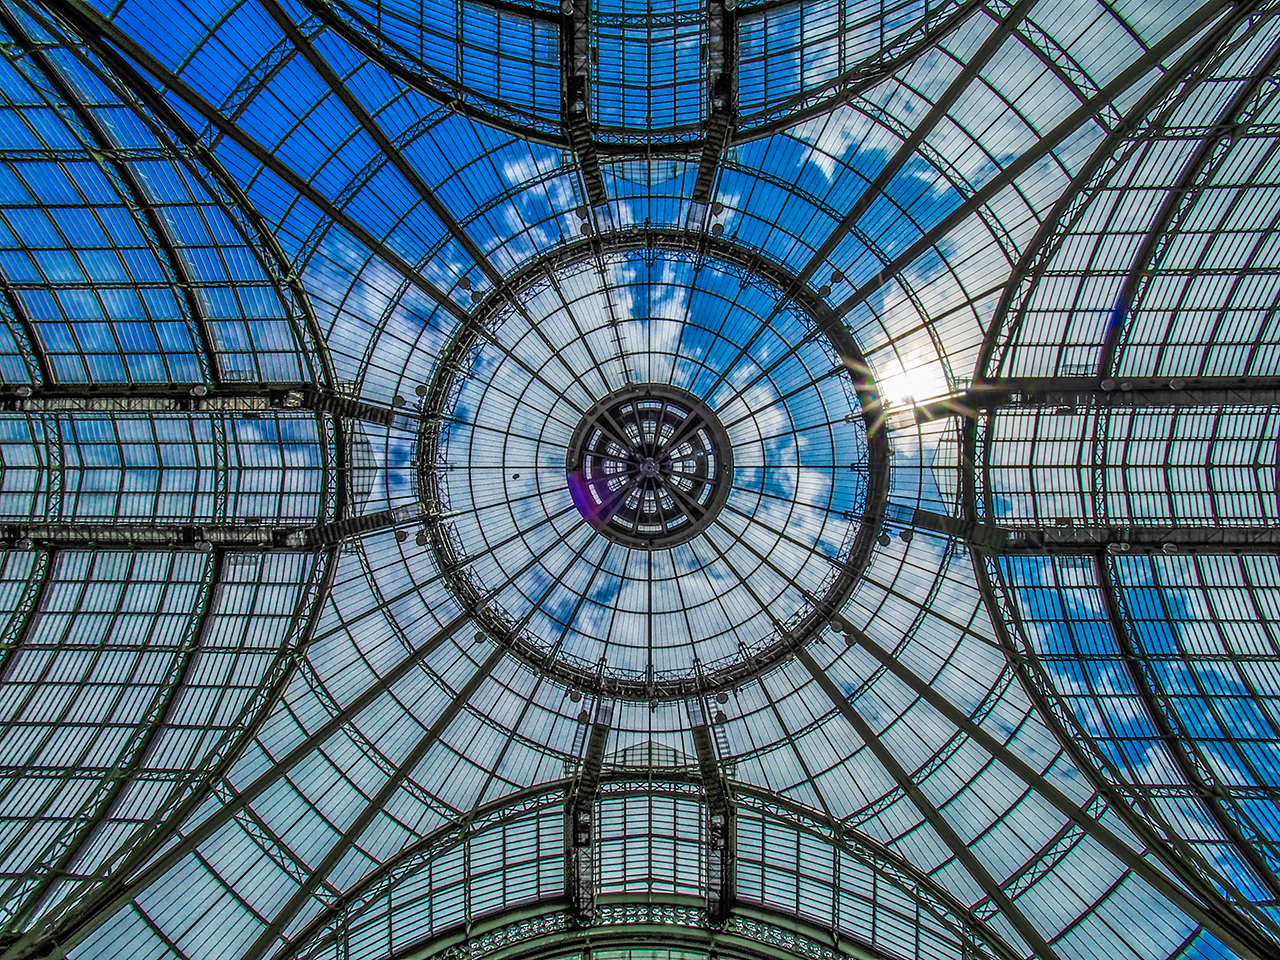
658 481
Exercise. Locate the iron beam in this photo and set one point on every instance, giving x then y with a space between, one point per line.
29 604
722 96
24 333
231 396
252 537
941 826
754 932
719 821
575 93
1078 540
1082 394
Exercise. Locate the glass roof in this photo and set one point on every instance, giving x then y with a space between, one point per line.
307 649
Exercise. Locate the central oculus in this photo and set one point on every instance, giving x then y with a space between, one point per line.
649 466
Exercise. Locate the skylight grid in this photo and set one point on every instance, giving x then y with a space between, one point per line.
803 47
963 667
649 70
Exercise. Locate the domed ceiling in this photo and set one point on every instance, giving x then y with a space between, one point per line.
638 480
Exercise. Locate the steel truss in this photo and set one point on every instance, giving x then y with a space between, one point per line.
719 821
580 818
1077 540
1082 394
233 397
543 930
243 537
722 97
575 98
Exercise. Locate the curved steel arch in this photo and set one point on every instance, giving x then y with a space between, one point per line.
1164 95
1235 915
97 142
927 892
1181 198
402 65
1234 823
432 85
1140 816
83 909
98 807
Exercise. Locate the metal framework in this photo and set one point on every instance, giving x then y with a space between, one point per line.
1113 843
719 824
1191 764
334 923
254 538
722 94
1235 24
98 809
1202 49
1027 930
541 930
914 681
137 873
1145 819
1074 540
262 947
1083 393
101 146
1183 194
580 817
575 79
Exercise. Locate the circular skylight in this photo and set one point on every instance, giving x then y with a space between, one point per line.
649 472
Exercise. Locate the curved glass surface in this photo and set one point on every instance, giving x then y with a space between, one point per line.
306 649
625 605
